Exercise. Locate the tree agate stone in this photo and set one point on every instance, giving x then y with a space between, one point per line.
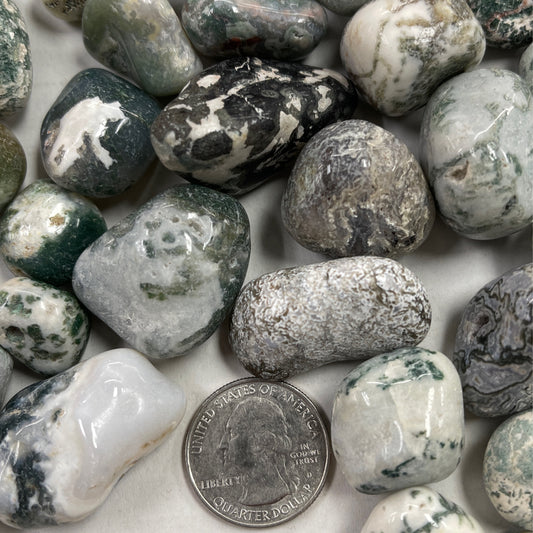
356 189
296 319
494 346
95 139
277 29
166 276
506 23
508 469
399 52
6 370
242 119
45 229
16 73
419 510
397 421
525 66
343 7
70 10
12 164
476 149
44 328
141 39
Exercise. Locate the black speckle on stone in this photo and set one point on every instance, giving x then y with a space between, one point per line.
211 146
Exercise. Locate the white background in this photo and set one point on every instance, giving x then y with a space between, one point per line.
155 495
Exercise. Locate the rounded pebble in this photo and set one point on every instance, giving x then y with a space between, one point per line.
356 189
71 10
6 370
13 164
525 66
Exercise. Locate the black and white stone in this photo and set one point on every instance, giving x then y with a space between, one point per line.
240 120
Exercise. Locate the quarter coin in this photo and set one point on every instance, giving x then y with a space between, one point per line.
257 452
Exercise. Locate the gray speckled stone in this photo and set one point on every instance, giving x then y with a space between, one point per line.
525 66
71 10
494 346
295 319
508 469
6 370
398 421
356 189
166 276
399 52
13 164
475 146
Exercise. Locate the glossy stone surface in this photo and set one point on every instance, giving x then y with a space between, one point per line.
276 29
242 119
183 257
71 10
296 319
356 189
494 347
16 72
508 469
506 23
67 440
6 370
476 150
343 7
525 66
13 164
398 52
398 421
44 328
95 139
45 229
419 509
141 39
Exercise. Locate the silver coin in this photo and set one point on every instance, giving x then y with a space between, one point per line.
257 452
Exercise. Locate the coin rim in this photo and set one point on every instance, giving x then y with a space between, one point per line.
202 407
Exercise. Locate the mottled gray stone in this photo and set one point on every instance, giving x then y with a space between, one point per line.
494 345
13 166
475 146
525 66
356 189
6 370
398 421
295 319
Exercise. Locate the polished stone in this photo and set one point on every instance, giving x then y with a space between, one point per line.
13 164
245 118
95 138
398 52
141 39
398 421
525 66
6 370
295 319
44 328
494 346
165 277
475 146
356 189
71 10
67 440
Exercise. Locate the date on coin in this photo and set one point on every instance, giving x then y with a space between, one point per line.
257 452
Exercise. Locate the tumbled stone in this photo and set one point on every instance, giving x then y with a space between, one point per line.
356 189
475 146
43 327
67 440
16 72
419 509
494 346
525 66
45 229
242 119
343 7
12 164
141 39
506 23
6 370
71 10
183 257
95 139
508 469
276 29
398 421
295 319
398 52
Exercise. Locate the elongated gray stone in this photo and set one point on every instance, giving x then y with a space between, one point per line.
295 319
6 370
166 276
13 164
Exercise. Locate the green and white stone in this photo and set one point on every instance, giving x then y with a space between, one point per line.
16 72
12 164
398 52
475 146
508 469
419 510
398 421
142 39
71 10
6 370
525 66
165 277
44 328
